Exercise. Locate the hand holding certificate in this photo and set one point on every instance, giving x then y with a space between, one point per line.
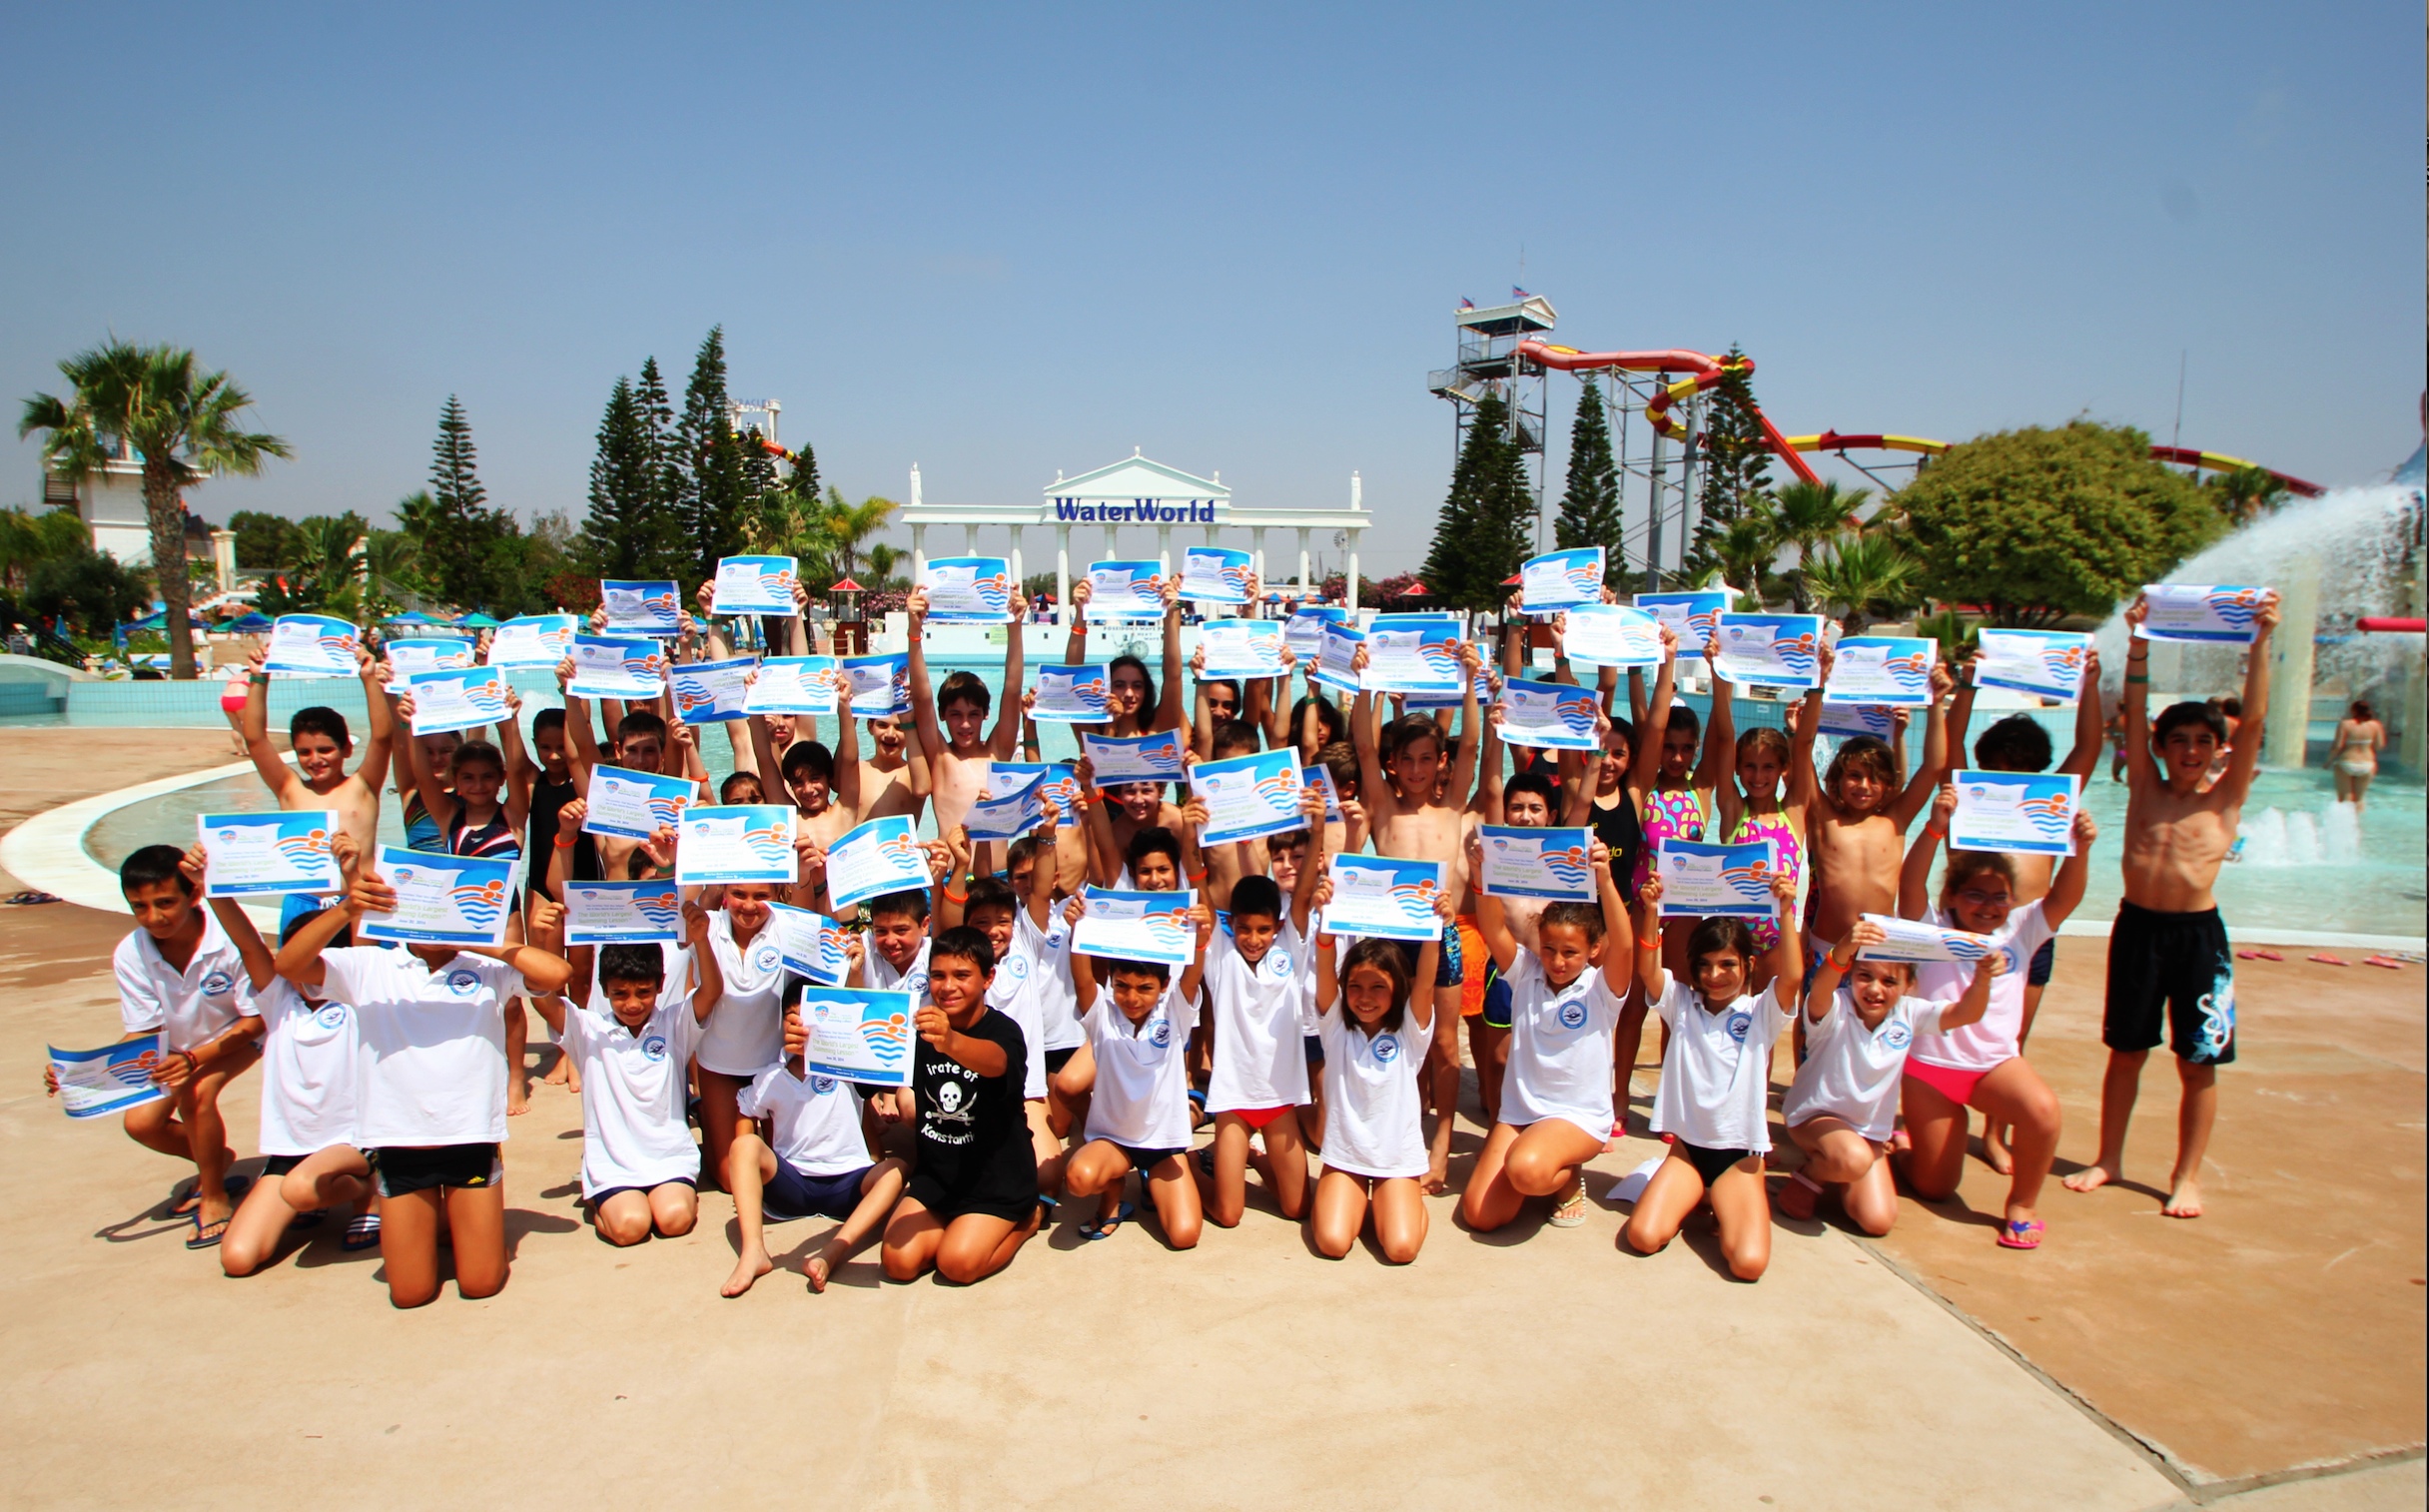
1776 650
640 606
1249 797
1124 590
1410 653
1887 670
1008 816
405 657
1612 636
532 640
1241 648
711 692
622 912
881 685
1515 860
811 945
1732 881
2202 614
735 841
2044 663
1381 897
1913 940
1561 580
251 855
461 698
1215 575
1337 657
795 685
975 590
1549 715
2031 812
606 666
634 805
858 1035
110 1079
1070 696
1137 926
1694 617
311 645
755 585
880 857
1304 632
443 900
1142 758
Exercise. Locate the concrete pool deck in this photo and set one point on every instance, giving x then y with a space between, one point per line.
2135 1362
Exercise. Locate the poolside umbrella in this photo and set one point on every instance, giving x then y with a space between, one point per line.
476 621
844 591
411 617
252 622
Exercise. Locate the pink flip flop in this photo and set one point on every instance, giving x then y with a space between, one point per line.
2385 963
2020 1236
2326 959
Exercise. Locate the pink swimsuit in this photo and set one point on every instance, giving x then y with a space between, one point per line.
1774 828
1670 814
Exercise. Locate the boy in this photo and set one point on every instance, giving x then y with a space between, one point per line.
318 780
1856 826
897 778
950 719
2168 948
639 745
551 786
824 784
1259 980
992 908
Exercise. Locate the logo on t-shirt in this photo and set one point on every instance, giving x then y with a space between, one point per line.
1895 1034
766 957
2007 953
1017 967
1738 1023
1386 1048
331 1015
1573 1014
654 1046
821 1085
916 983
1161 1035
463 980
1279 960
1054 942
949 1096
217 984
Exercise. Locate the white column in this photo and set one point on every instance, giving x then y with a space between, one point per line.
1350 584
1163 547
223 559
1062 573
919 550
1305 562
970 541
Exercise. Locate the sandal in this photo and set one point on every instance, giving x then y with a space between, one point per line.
208 1236
1104 1227
361 1233
2021 1235
1572 1209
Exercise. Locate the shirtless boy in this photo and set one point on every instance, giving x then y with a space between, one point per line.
1856 827
2168 950
319 779
950 720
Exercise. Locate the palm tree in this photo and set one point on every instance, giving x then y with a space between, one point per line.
1746 547
156 406
1864 576
1808 515
848 525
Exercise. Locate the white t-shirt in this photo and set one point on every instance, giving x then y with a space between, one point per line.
1851 1071
817 1120
1989 1041
431 1059
1143 1070
1560 1048
747 1031
1013 992
1373 1115
187 1007
1716 1077
1058 996
308 1072
1260 1058
882 976
634 1087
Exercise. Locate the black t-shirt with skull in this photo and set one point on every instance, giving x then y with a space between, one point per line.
973 1137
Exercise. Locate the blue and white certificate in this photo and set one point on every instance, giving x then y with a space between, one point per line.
311 645
2206 614
1411 653
1913 940
640 606
622 912
755 585
254 854
461 698
1849 719
795 685
1775 650
632 805
970 590
1521 861
1383 898
735 841
1215 575
1560 580
1894 670
1694 617
858 1035
811 945
1729 881
1137 926
1137 758
610 666
1304 631
1241 648
1337 646
431 654
1555 716
1249 797
1612 636
881 685
1319 777
1007 816
443 900
2044 663
1124 590
1070 696
1485 695
711 692
532 640
880 857
110 1079
2031 812
1060 785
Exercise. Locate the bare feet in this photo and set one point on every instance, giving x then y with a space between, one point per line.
816 1270
1437 1177
556 1073
749 1266
1995 1150
1797 1197
2184 1202
518 1093
2090 1179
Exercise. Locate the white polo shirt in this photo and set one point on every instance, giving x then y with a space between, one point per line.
1013 992
1373 1115
882 976
747 1031
1058 994
1560 1048
187 1007
1143 1070
308 1053
817 1120
634 1084
1716 1076
430 1058
1260 1060
1851 1071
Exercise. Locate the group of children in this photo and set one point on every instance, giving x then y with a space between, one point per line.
1044 1077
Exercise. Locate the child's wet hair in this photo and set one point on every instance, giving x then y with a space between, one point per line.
1964 865
1682 718
1340 763
808 760
736 782
964 687
1328 727
1408 727
1861 753
2177 716
1716 935
1260 897
1152 841
1530 782
1625 729
910 903
476 751
639 724
632 962
152 865
962 943
546 721
319 720
1147 700
1388 957
2017 743
1109 967
1236 737
1571 913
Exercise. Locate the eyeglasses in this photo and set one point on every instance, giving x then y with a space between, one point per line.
1986 900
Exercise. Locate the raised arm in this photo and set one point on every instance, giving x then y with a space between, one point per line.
1719 765
1655 717
437 801
2245 758
1960 707
1004 742
1935 754
1648 973
1618 932
1837 962
1375 789
1075 645
1463 761
1786 958
711 984
1169 707
2074 874
2141 771
846 784
1193 975
1915 873
273 768
1808 728
380 724
1492 920
2090 726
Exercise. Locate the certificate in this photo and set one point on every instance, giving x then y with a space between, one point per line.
443 900
2044 663
110 1079
1411 654
795 685
1319 777
1337 646
632 805
1849 719
1124 590
1693 615
1070 696
970 590
858 1035
1381 897
1142 758
1304 631
254 854
1060 785
311 645
1241 648
1776 650
1913 940
1524 862
1215 575
711 692
880 857
881 685
811 945
734 842
1612 636
463 698
1249 797
1881 669
755 585
608 666
640 606
622 912
1009 815
1137 926
1560 580
1734 881
1549 715
2208 614
405 657
532 640
2031 812
1415 702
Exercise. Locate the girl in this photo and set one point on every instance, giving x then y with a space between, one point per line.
1556 1107
1375 1032
1980 1065
1672 802
2354 756
1130 693
745 1034
1842 1105
1751 808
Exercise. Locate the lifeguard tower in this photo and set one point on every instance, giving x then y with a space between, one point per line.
1490 362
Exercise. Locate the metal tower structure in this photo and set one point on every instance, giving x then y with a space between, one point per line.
1658 474
1489 362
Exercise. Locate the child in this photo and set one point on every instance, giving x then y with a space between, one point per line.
319 779
1375 1025
990 907
1842 1105
1716 1078
2168 947
431 1098
1858 817
1130 693
640 745
1982 1066
747 1030
899 944
1040 934
1556 1107
1751 807
551 785
950 720
1257 976
825 785
894 778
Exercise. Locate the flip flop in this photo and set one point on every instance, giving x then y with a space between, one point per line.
308 1219
208 1236
2328 959
2020 1236
1104 1229
361 1233
1570 1212
30 896
2266 955
185 1199
1205 1162
2384 963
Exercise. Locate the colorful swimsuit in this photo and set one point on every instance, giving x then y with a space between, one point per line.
1774 828
1670 814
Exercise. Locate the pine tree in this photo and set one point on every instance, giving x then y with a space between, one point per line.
613 541
469 548
1482 532
658 425
1735 462
711 501
1589 507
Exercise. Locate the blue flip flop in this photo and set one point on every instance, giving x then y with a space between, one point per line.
361 1233
1104 1229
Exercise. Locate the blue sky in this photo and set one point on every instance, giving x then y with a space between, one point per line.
1000 241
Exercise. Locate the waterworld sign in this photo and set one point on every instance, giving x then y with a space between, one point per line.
1137 511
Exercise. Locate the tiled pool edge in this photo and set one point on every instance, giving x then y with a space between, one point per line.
47 851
